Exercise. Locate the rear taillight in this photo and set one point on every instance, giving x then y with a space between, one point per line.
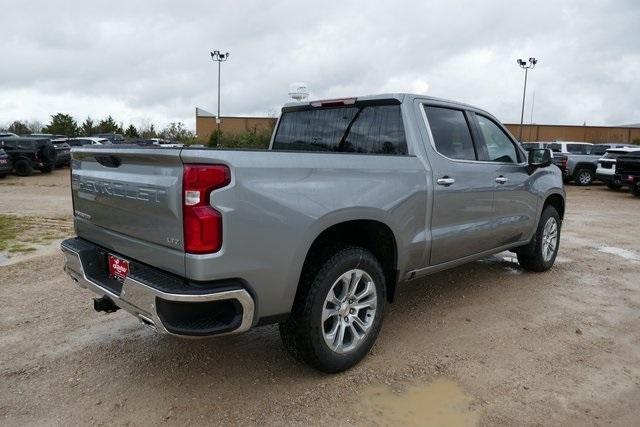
202 223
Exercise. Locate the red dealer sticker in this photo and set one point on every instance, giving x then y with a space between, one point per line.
118 267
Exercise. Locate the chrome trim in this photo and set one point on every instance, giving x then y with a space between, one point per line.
445 181
421 272
138 298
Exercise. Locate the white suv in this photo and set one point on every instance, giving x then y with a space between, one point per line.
607 166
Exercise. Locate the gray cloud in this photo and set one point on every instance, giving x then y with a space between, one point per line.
149 60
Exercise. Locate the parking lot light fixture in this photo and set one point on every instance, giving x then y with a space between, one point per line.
219 57
526 66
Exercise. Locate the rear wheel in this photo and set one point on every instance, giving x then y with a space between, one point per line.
635 189
46 169
338 312
23 167
614 186
583 176
48 153
3 175
540 254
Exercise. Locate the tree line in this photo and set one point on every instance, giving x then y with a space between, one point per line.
65 124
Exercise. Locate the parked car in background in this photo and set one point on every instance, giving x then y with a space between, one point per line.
6 165
164 143
87 140
7 134
582 158
353 197
606 170
29 153
559 159
115 138
628 171
63 150
45 135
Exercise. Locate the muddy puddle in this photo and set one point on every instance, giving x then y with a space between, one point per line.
438 403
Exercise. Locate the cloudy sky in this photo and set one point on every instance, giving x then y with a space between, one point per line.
148 61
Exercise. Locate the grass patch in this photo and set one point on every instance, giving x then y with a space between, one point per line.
10 228
19 234
19 248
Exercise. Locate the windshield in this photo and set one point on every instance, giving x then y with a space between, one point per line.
612 154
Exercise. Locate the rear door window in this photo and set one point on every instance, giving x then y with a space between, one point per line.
451 134
367 129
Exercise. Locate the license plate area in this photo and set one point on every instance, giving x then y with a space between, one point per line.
118 267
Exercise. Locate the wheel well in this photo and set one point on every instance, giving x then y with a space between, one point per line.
557 202
369 234
589 166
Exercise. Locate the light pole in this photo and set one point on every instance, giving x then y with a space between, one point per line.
220 58
526 66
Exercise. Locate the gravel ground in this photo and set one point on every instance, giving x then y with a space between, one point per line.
486 343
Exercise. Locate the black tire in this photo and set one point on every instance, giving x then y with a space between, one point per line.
46 169
3 175
23 167
531 256
583 177
613 186
635 189
303 332
48 153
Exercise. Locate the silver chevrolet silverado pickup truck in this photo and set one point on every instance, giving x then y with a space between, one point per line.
353 197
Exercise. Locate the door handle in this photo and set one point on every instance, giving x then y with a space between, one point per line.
501 179
445 180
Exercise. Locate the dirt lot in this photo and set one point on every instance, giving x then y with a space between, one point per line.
485 343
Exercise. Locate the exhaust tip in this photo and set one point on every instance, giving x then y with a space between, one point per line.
104 304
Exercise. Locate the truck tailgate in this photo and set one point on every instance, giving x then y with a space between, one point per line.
133 192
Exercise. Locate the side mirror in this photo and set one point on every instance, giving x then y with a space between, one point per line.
540 157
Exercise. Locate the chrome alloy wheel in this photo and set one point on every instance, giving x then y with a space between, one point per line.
549 239
584 177
349 310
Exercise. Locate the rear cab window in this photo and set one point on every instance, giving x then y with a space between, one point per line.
556 148
365 128
578 148
599 149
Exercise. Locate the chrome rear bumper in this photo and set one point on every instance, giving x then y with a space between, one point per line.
141 300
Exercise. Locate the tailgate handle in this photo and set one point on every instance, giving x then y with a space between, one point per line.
108 161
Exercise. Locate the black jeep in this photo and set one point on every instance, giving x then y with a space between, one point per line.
628 171
6 166
29 153
63 148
